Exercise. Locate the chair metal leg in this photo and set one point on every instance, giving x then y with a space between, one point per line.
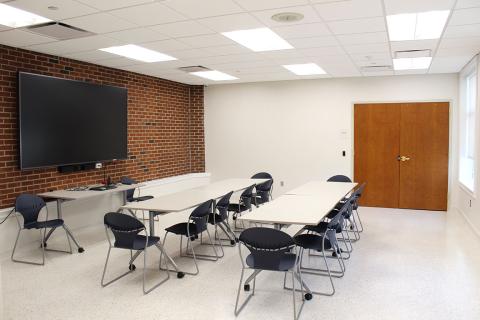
237 309
146 291
359 220
131 267
41 245
207 257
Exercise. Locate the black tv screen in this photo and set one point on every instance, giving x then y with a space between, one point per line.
65 122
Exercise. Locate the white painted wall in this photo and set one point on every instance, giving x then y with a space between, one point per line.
297 129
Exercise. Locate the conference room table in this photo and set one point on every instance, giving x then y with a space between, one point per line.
305 205
184 200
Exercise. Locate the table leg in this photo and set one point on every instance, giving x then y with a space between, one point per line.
59 213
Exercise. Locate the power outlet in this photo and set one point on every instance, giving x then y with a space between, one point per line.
98 165
282 183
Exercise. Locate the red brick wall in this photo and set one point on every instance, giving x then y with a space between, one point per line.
165 125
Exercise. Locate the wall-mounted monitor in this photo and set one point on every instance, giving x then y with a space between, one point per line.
65 122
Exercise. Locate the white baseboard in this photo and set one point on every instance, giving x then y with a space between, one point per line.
469 222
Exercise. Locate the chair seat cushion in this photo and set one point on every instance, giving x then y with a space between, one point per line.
44 224
259 200
218 218
142 198
287 262
181 229
234 207
311 241
138 243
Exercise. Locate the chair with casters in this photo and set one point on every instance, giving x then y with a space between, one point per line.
196 224
29 207
263 190
244 204
358 195
270 250
323 239
126 231
219 219
130 194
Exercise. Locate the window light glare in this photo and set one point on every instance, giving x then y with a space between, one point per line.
412 63
17 18
214 75
135 52
305 69
261 39
417 26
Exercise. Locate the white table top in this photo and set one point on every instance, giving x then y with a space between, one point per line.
75 195
323 188
190 198
301 209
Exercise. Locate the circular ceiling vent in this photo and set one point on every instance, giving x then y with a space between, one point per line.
287 17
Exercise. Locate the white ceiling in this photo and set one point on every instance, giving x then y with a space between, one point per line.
342 36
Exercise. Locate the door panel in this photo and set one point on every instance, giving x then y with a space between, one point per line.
377 134
424 140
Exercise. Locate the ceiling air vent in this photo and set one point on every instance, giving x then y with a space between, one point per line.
193 69
376 68
413 53
59 31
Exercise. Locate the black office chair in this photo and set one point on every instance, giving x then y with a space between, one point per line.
358 195
220 220
263 190
29 207
125 230
196 224
244 204
324 239
339 178
130 193
270 250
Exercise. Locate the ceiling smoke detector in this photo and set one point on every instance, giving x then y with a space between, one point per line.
190 69
287 17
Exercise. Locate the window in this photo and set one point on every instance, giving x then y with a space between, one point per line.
468 126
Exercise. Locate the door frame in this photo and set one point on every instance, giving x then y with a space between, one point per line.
451 136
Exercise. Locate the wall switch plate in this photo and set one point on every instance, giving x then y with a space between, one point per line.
98 165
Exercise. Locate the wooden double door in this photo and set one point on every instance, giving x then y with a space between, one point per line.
401 152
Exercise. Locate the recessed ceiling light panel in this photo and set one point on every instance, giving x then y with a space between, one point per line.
417 26
261 39
305 69
135 52
214 75
17 18
412 63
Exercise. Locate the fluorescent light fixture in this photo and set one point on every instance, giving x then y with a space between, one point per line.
214 75
412 63
305 69
417 26
135 52
261 39
16 18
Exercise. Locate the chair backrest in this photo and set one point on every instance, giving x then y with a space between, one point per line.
128 181
200 216
124 228
29 206
267 246
222 205
262 175
246 197
339 178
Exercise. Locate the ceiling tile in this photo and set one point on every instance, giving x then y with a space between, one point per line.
190 54
379 58
232 22
149 14
166 45
468 30
66 8
117 62
473 42
353 9
313 42
89 56
410 6
465 16
20 38
100 23
204 41
302 30
448 64
322 51
457 51
228 50
254 5
182 29
137 35
113 4
208 8
215 60
467 4
363 38
358 26
414 45
342 70
75 45
309 16
367 48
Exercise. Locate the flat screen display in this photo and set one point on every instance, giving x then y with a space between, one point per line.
66 122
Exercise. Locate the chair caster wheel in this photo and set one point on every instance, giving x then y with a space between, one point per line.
180 275
80 250
234 218
236 239
351 227
308 296
246 287
132 267
232 242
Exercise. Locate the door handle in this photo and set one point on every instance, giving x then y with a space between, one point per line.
403 158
